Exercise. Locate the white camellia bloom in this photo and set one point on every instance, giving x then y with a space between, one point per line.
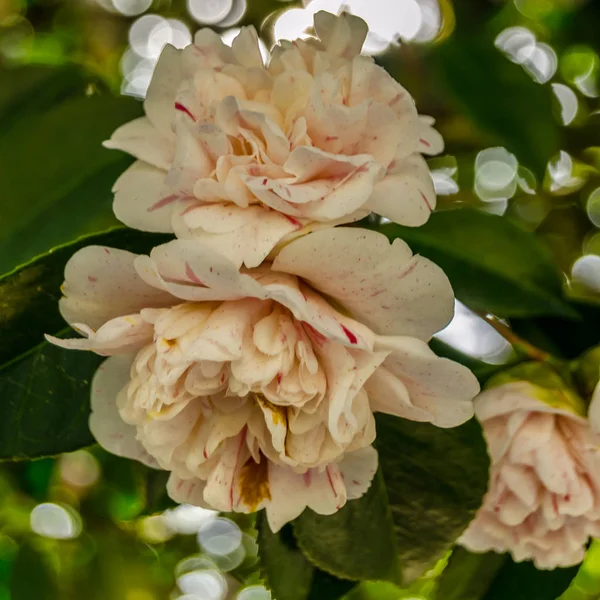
543 503
257 388
241 156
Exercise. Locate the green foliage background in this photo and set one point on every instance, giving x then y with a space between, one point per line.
59 98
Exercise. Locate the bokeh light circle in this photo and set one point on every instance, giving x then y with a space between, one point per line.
586 272
254 592
55 521
205 584
220 536
209 12
131 8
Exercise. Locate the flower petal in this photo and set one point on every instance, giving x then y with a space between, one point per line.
141 139
101 284
160 98
243 235
110 431
140 201
441 387
358 469
406 195
381 284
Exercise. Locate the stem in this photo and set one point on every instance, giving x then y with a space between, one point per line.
517 342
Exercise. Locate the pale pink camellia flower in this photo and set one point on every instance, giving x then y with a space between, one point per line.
242 156
257 388
543 503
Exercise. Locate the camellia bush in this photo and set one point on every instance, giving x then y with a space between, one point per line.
253 320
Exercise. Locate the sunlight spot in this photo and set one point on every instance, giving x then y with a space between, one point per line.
469 333
586 272
220 536
54 521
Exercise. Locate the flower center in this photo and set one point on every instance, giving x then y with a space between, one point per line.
230 350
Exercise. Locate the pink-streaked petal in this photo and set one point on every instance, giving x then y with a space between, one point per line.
117 336
141 139
192 271
187 491
110 431
430 142
101 284
243 235
140 200
324 492
358 469
380 284
441 387
406 194
160 98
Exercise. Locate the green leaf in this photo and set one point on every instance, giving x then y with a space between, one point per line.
357 542
494 265
44 389
55 176
499 96
31 577
522 581
29 295
468 576
428 493
432 496
287 572
45 402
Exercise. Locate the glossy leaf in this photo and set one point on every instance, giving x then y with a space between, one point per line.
357 542
55 176
494 265
428 493
432 496
288 573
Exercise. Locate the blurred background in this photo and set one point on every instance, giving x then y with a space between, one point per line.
514 88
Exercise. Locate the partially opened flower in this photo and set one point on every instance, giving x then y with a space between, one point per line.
241 156
543 503
257 388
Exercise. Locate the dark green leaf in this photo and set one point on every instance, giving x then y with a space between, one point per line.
494 265
31 577
560 336
44 389
468 576
432 495
29 294
357 542
522 581
45 402
429 493
287 572
499 96
55 176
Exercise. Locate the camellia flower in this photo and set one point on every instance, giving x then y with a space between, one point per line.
241 156
543 502
257 388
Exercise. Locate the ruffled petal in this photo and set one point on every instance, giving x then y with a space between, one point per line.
141 201
380 284
106 425
101 284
